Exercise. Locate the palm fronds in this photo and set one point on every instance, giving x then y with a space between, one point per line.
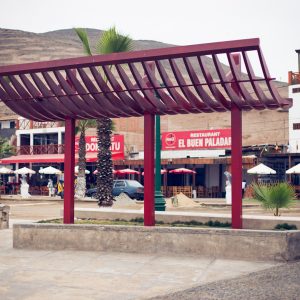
275 196
82 34
112 41
83 125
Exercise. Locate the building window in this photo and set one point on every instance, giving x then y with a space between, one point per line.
296 126
296 90
12 124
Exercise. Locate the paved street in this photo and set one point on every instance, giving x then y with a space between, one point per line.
277 283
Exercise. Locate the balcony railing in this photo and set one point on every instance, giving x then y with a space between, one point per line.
294 78
27 124
40 149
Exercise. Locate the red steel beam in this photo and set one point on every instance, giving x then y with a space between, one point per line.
149 215
69 171
236 157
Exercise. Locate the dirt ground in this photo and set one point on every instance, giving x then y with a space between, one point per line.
45 209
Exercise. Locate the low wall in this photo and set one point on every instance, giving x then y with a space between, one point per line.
249 221
217 243
4 216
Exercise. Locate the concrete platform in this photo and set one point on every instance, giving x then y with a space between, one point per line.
242 244
81 275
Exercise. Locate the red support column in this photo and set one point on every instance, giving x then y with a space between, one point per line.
149 216
69 171
236 160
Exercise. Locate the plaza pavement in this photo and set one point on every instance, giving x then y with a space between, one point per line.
31 274
35 275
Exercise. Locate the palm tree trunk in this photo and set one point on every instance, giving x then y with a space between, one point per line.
81 180
104 164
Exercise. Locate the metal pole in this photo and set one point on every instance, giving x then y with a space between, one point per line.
236 158
149 215
69 171
160 203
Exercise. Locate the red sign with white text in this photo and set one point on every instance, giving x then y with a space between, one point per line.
117 145
198 139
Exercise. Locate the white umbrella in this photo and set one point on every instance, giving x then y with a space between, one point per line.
4 170
24 171
85 171
50 170
261 169
294 170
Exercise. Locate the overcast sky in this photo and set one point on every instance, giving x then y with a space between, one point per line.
275 22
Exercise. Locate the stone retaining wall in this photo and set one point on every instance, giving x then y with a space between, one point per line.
217 243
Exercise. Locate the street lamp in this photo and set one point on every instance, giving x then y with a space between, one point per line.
160 203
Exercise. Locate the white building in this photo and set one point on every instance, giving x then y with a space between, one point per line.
294 111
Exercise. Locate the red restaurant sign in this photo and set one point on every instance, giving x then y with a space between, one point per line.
198 139
117 145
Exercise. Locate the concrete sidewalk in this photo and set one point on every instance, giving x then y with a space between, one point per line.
30 275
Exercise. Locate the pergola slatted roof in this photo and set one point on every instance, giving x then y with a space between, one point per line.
138 83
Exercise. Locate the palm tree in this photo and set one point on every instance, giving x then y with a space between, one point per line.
81 127
275 196
111 41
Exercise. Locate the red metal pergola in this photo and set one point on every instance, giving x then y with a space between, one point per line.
176 80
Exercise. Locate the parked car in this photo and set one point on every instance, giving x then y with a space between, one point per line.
132 188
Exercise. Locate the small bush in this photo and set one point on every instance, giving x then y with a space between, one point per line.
275 196
285 226
187 223
196 223
217 224
120 220
159 222
137 220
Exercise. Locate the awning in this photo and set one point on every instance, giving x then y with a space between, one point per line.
261 169
43 158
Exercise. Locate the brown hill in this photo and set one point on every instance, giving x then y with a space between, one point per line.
17 46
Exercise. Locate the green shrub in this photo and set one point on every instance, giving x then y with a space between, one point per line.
137 220
159 222
275 196
285 226
217 224
187 223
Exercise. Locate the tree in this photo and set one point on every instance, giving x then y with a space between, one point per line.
275 196
111 41
5 149
81 127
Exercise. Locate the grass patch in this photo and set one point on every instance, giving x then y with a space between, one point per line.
140 221
250 201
